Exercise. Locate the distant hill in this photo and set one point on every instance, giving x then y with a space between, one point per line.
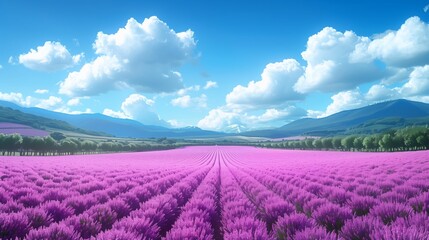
114 126
370 119
10 115
24 130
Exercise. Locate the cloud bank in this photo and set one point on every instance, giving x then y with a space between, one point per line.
142 56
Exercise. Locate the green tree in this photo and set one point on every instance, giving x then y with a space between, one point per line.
358 143
317 143
347 142
386 142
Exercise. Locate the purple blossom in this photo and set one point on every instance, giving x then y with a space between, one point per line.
53 232
389 212
332 217
84 225
314 234
287 226
38 217
57 210
13 225
360 228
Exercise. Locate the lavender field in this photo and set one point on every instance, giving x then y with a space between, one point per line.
216 193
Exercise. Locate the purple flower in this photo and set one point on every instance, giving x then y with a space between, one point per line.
287 226
360 228
31 200
38 217
119 207
362 205
142 226
314 234
84 225
332 217
103 215
389 212
53 232
13 225
118 235
57 210
400 233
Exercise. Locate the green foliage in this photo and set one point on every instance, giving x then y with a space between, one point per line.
409 138
15 143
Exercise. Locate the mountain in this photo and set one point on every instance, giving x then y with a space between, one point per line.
113 126
370 119
10 115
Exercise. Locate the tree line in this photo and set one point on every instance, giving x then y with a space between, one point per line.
55 144
405 139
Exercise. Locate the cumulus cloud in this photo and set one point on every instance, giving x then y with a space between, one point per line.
144 56
219 119
75 101
418 83
344 101
188 101
185 91
210 84
380 92
41 91
331 66
137 107
52 56
17 98
50 103
405 47
274 88
234 120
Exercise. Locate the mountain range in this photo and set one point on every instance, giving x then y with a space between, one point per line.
101 124
370 119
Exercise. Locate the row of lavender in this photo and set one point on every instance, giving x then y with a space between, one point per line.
382 196
110 201
217 193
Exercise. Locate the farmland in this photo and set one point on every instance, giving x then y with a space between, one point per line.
215 192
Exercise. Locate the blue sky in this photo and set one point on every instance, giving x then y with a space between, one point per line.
219 65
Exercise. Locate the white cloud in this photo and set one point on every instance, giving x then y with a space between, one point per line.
331 66
73 102
176 124
183 101
235 120
17 98
137 107
274 88
273 114
426 8
1 66
41 91
408 46
210 84
74 112
11 60
184 91
379 92
418 83
144 56
188 101
219 119
52 56
115 114
345 100
50 103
